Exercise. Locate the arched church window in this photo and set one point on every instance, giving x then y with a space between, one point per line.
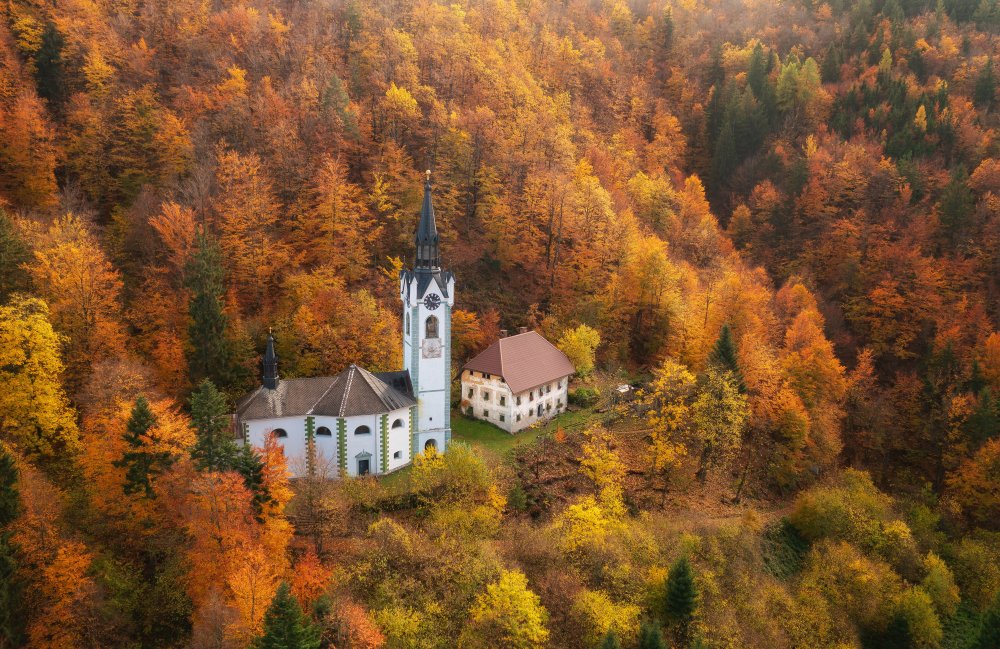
431 327
324 431
431 444
398 423
280 432
362 430
407 324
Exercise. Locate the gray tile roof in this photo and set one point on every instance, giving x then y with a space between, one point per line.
355 391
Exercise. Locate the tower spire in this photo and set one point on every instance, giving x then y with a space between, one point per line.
428 241
270 364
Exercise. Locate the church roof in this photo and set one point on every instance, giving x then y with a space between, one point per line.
355 391
524 361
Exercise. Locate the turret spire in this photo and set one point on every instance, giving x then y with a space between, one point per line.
428 241
270 364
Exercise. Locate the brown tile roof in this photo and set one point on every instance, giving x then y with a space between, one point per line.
524 361
355 391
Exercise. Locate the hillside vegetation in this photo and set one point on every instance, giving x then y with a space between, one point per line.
781 219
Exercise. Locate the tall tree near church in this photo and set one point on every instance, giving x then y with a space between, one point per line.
247 214
286 626
211 353
334 227
140 462
214 448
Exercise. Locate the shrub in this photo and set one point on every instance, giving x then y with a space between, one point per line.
584 396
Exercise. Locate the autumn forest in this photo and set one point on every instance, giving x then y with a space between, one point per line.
766 232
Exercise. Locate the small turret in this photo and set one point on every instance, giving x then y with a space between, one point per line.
270 365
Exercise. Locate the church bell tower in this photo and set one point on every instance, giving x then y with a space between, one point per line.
428 295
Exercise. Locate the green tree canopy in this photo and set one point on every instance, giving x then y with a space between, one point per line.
286 626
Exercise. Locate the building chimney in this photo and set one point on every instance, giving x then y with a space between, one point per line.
503 333
522 330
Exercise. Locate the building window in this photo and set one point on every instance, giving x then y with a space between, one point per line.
324 431
486 395
397 455
431 327
531 396
518 400
362 430
539 410
486 413
398 423
431 445
280 432
503 400
519 416
472 393
407 324
501 418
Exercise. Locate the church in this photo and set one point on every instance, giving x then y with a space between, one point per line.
359 422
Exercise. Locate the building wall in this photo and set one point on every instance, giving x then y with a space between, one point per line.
329 456
483 393
429 361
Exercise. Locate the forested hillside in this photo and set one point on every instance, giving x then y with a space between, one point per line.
780 219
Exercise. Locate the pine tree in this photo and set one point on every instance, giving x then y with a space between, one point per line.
957 206
211 353
989 634
249 464
285 626
14 254
984 93
12 615
723 356
611 641
49 70
10 501
757 71
139 462
650 637
214 448
681 598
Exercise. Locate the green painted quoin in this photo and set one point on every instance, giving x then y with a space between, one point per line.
384 441
342 445
311 446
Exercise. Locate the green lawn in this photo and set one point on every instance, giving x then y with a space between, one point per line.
493 443
497 443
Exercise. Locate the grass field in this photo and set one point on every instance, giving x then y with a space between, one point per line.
493 443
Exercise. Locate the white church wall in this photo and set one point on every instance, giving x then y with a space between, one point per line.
294 442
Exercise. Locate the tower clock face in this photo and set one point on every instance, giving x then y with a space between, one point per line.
432 301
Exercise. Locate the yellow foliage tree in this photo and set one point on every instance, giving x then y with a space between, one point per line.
579 345
508 614
34 412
